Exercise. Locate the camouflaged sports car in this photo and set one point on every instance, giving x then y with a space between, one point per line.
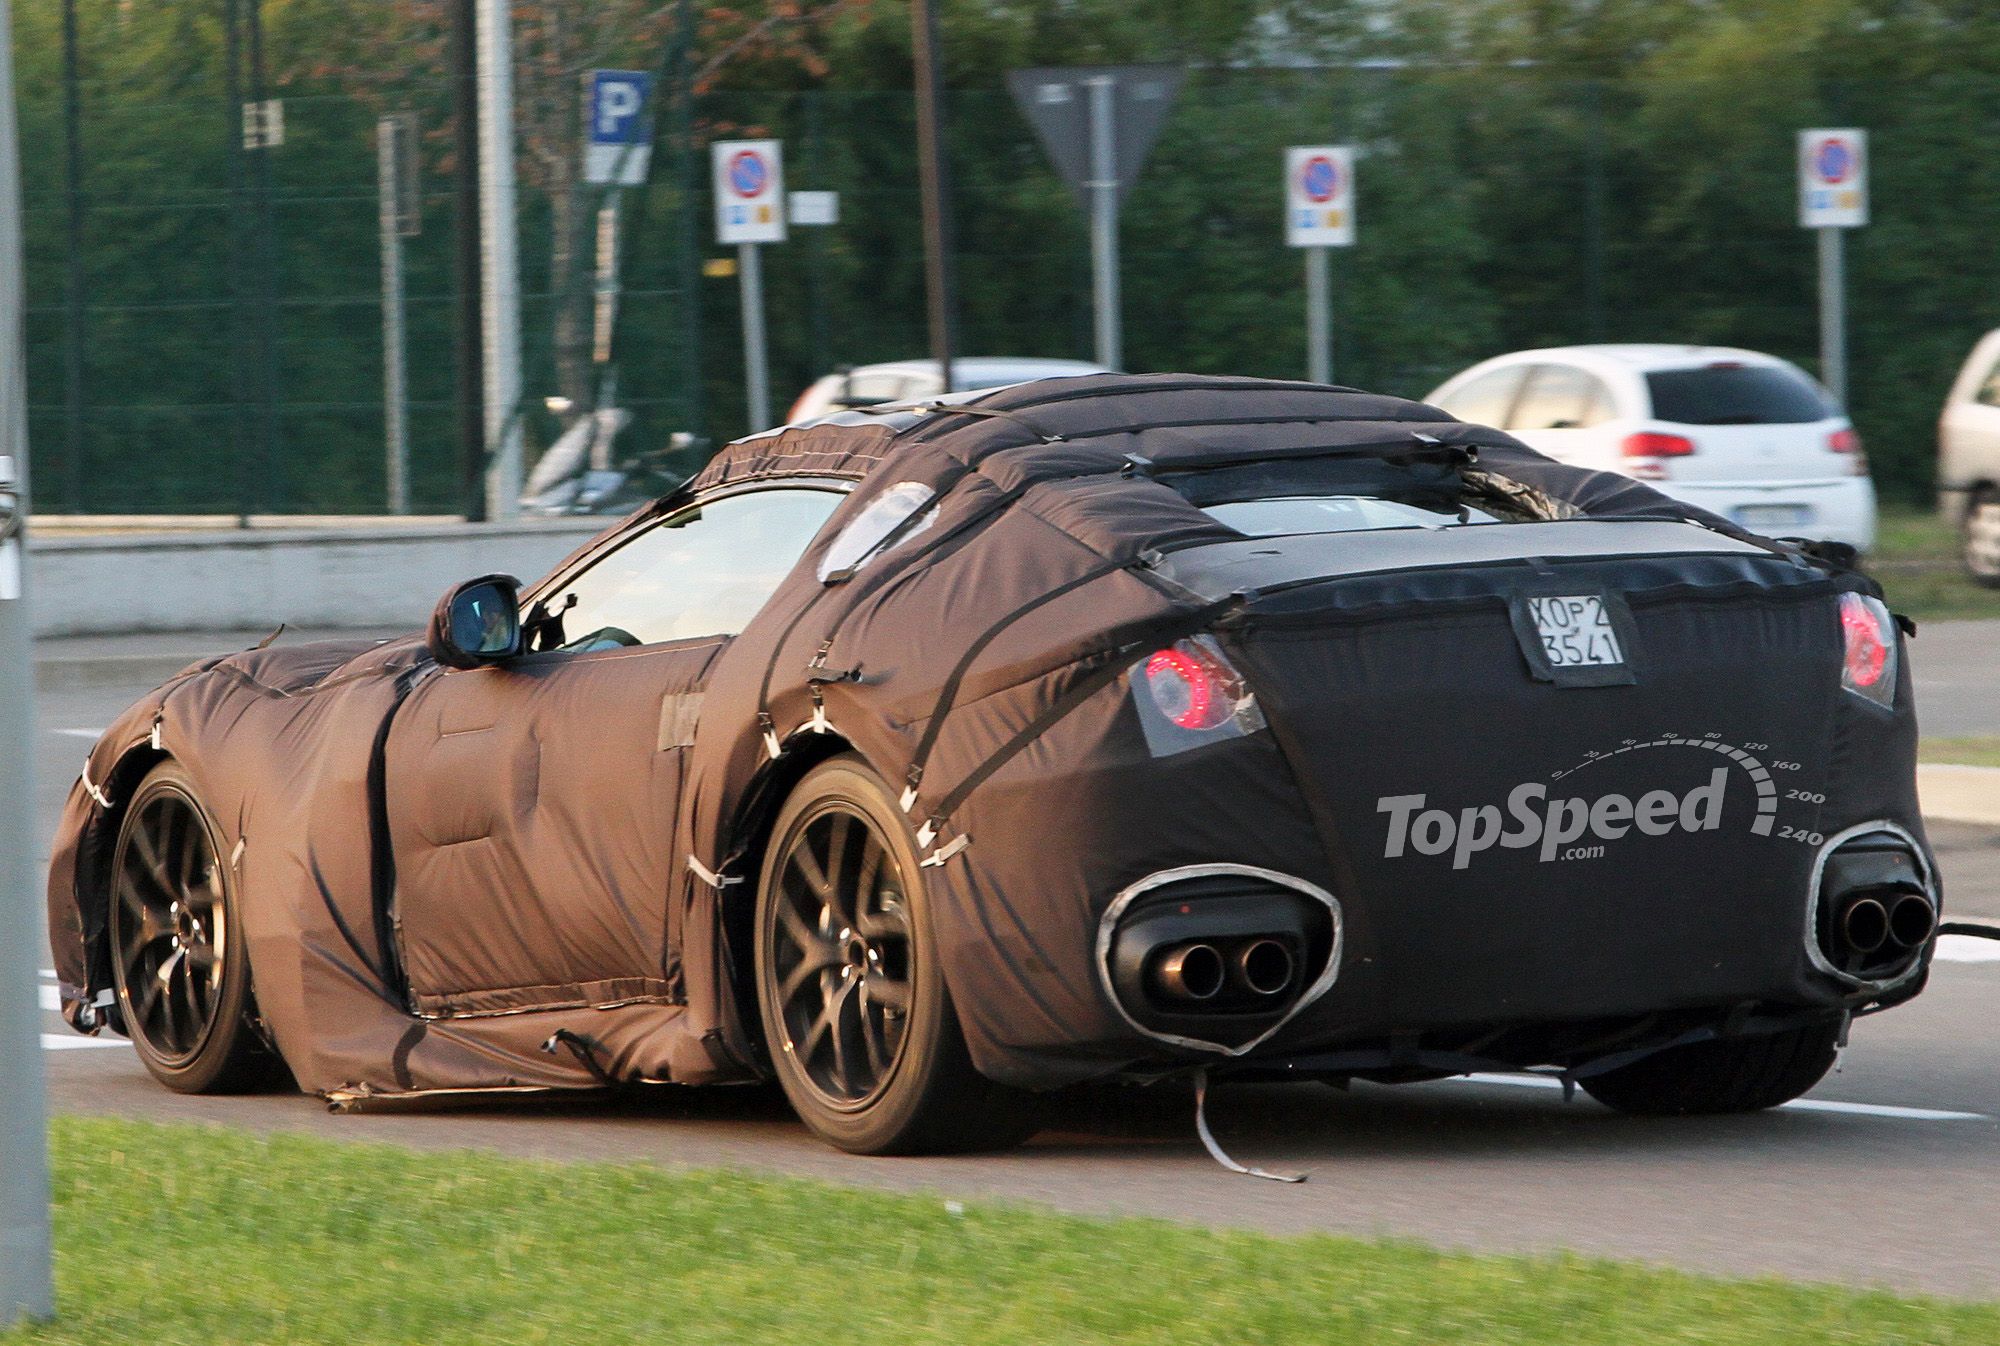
925 758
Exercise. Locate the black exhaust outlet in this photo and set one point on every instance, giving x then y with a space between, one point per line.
1266 967
1912 921
1190 972
1864 925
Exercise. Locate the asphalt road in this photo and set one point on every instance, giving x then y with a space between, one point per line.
1888 1174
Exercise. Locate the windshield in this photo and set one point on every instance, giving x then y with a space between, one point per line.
1332 514
1737 395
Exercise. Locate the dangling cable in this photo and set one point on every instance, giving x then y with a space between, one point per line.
1972 928
1215 1151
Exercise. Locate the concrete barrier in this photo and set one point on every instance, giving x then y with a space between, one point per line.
387 575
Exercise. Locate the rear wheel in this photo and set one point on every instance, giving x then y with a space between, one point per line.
861 1030
1982 538
1726 1075
180 969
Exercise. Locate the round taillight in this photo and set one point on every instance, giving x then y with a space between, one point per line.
1186 690
1867 643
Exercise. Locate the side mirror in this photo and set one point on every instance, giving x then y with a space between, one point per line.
477 623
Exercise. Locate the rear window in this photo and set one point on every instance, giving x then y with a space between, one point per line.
1737 395
1288 515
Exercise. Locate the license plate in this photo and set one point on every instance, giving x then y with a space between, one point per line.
1764 517
1576 631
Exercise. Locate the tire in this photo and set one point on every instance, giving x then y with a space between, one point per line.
180 965
860 1027
1980 538
1728 1075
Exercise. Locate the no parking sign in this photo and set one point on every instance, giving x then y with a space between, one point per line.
1833 179
749 191
1319 196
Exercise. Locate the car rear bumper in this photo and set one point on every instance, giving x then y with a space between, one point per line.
1837 510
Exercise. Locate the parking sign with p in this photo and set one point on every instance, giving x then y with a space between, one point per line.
618 140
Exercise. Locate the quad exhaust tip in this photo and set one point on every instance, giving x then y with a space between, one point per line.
1192 973
1912 921
1266 967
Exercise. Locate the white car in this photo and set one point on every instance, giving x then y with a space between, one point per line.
1969 459
905 380
1744 435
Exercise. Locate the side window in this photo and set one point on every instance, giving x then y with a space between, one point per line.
1989 391
1562 397
703 572
1486 399
870 390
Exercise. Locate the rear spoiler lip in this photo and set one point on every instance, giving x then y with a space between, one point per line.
1252 567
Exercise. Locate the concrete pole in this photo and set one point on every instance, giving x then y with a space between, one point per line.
26 1287
395 382
500 270
1833 315
1319 317
1104 221
756 361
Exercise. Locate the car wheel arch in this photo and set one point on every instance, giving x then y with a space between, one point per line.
94 858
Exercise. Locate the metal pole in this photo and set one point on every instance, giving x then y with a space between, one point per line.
240 356
499 263
935 189
1319 317
270 466
76 471
687 165
470 364
395 384
1104 221
756 372
1833 315
26 1288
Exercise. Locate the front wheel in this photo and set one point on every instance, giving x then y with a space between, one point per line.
861 1030
1725 1075
180 968
1981 538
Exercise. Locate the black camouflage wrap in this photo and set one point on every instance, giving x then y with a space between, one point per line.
439 869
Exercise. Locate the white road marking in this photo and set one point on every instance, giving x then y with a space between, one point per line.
65 1042
1796 1105
92 734
51 998
1967 949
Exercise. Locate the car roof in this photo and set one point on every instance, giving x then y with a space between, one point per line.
1641 357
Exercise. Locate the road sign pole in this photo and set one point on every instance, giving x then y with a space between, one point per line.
1319 317
26 1289
1833 314
1104 220
756 372
499 270
395 389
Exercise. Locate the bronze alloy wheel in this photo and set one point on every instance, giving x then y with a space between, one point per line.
181 974
860 1028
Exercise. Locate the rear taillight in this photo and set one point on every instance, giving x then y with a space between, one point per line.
1848 443
1189 694
1868 656
1644 450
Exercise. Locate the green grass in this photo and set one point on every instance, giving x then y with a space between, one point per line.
1972 750
177 1234
1916 560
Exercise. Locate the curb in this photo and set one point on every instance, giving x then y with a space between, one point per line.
1959 794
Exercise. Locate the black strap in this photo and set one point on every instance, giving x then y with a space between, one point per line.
1972 928
948 694
1111 663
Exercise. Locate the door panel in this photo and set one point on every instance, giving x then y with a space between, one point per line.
531 813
